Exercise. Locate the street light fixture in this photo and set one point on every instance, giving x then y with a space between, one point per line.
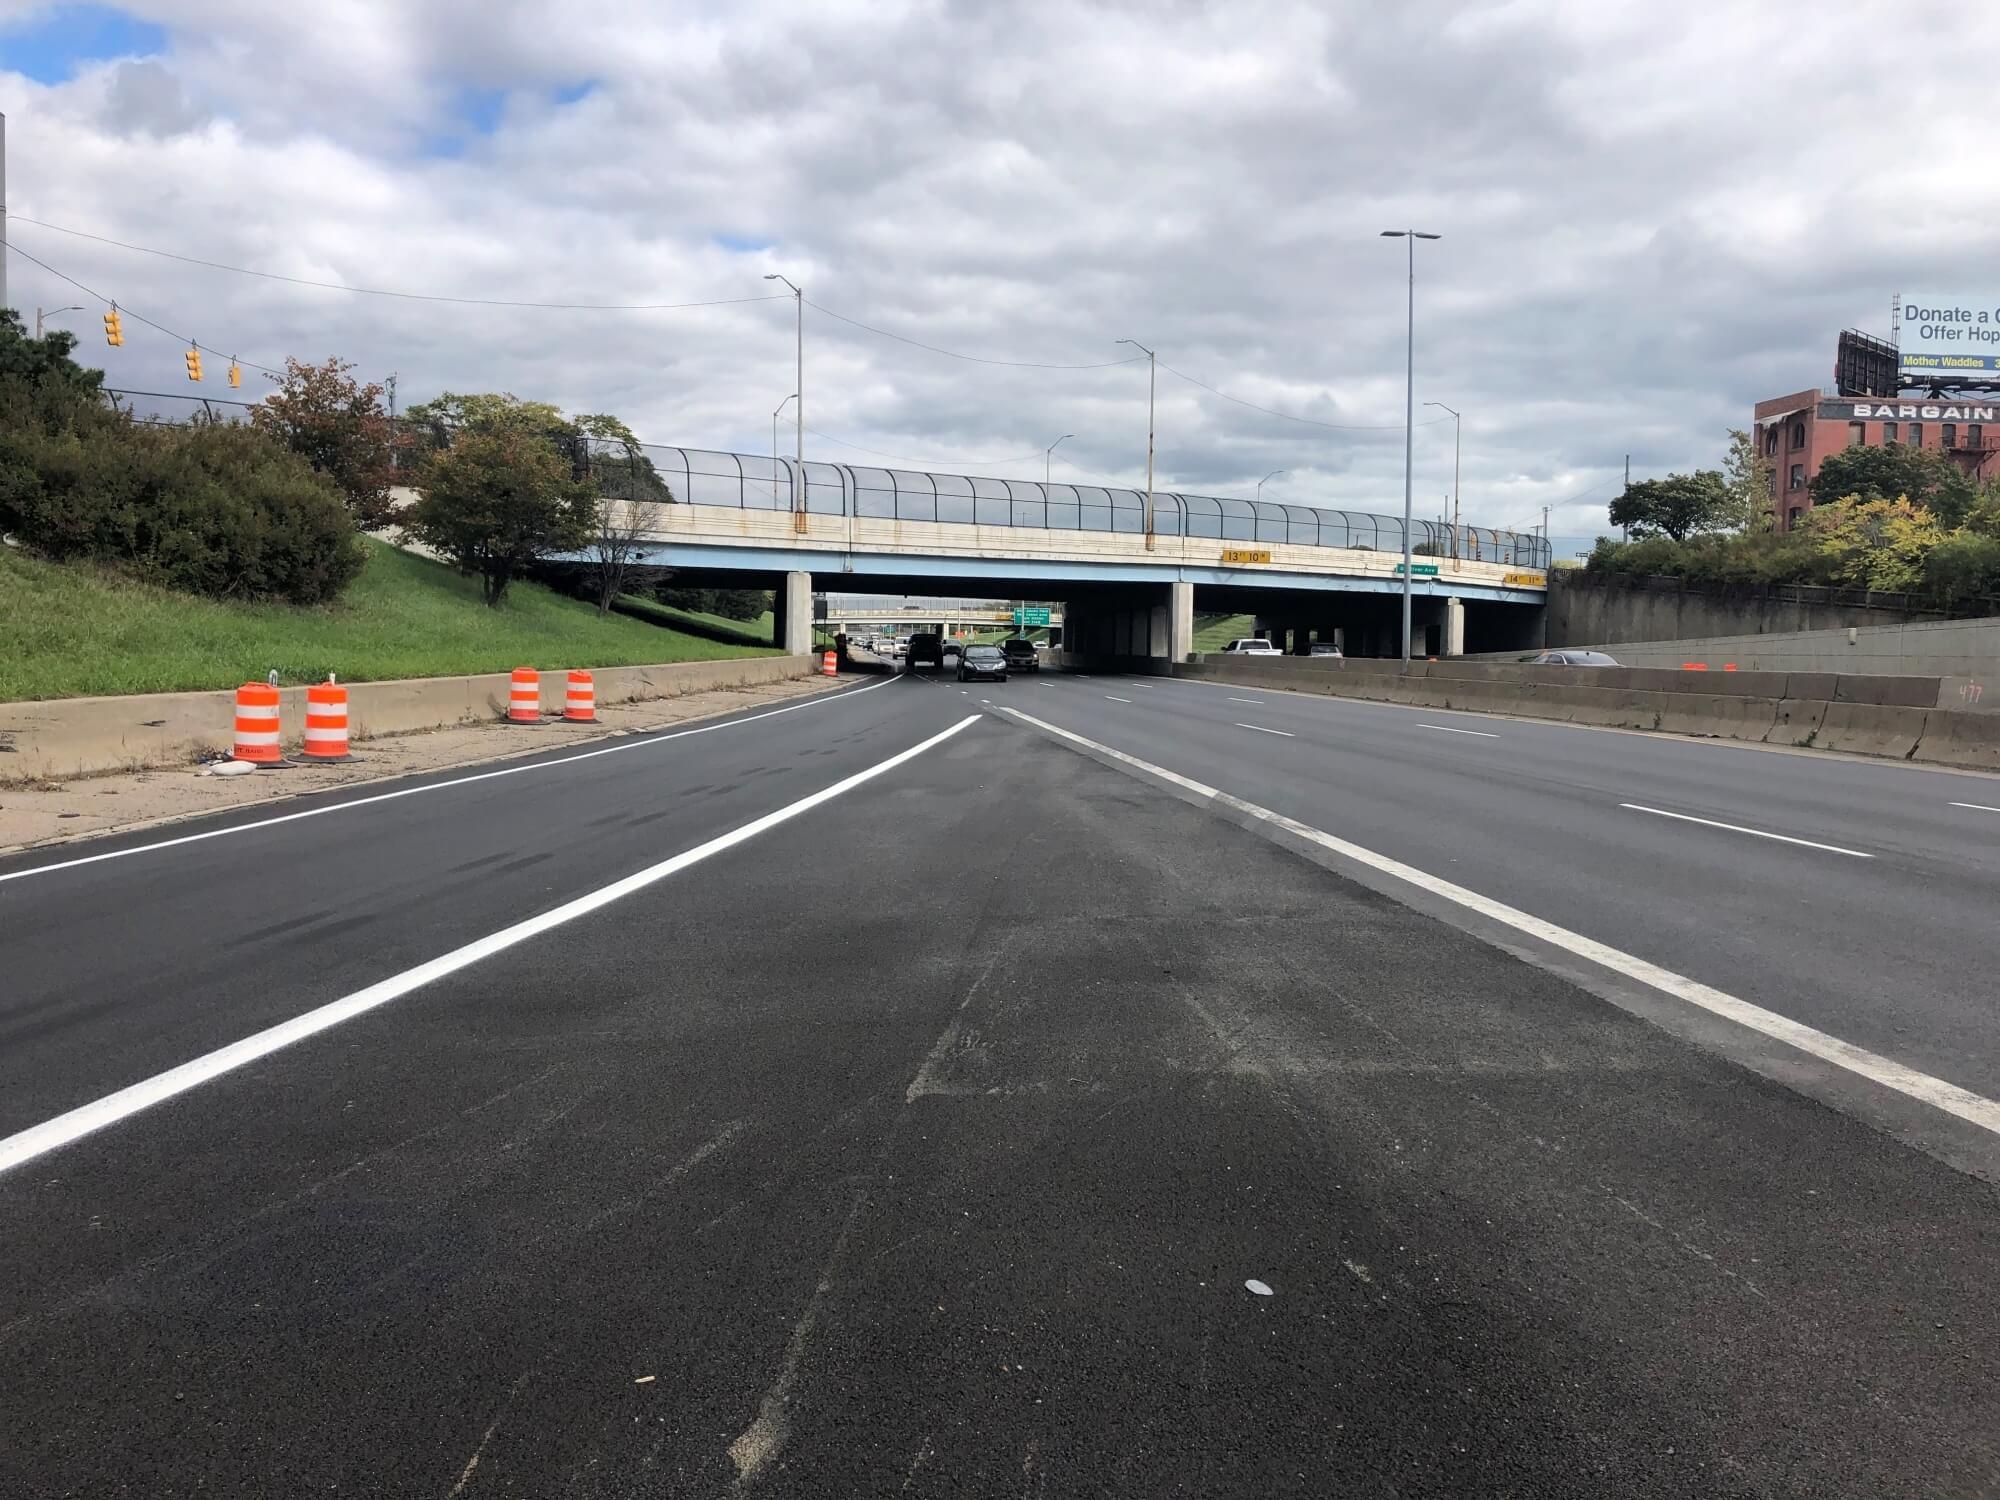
1152 385
1049 456
774 444
1266 480
1454 474
799 379
54 312
1409 416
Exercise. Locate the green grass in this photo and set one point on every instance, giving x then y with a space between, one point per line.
755 632
72 630
1213 632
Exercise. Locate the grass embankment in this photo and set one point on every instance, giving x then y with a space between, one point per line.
755 632
1213 632
69 631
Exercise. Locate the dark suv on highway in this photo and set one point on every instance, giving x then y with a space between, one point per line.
1021 655
926 646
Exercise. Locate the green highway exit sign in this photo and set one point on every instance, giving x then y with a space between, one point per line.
1420 570
1032 615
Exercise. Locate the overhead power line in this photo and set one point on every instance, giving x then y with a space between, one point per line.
136 317
977 359
369 291
1289 417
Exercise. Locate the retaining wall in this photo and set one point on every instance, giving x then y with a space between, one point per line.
1901 717
1933 648
59 737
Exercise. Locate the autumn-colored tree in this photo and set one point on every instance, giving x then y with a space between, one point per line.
339 426
497 497
1875 544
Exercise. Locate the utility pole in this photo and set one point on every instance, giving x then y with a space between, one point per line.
799 303
1152 378
3 213
43 315
1625 532
1409 418
1049 458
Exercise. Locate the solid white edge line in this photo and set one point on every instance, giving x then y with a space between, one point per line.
1781 838
1977 806
1483 734
437 786
1936 1092
37 1140
1262 730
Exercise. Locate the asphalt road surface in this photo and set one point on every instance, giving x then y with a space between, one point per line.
887 1095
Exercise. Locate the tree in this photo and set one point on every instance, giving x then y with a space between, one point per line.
1746 479
1896 471
1678 506
615 544
496 498
339 426
626 483
1875 544
43 362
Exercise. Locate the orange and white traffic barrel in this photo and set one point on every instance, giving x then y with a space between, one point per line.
257 725
326 722
524 697
829 664
580 699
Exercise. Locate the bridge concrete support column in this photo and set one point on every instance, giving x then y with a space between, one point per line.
1454 628
792 614
1178 627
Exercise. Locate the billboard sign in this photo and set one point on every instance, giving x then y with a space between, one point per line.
1949 338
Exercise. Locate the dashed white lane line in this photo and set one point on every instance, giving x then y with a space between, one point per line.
1977 806
1114 698
1936 1092
640 743
1253 702
1446 728
36 1140
1782 838
1286 733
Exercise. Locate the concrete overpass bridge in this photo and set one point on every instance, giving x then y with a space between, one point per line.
918 613
1130 575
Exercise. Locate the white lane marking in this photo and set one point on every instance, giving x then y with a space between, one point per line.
1782 838
439 786
1449 730
1977 806
1114 698
1256 702
1935 1092
36 1140
1262 730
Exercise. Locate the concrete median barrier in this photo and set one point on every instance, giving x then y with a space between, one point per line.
59 737
1953 737
1891 730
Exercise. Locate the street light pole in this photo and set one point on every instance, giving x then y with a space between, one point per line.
1049 457
799 380
774 444
1454 475
1152 386
1266 480
1409 417
54 312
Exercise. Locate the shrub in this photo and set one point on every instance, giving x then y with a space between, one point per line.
1963 567
209 509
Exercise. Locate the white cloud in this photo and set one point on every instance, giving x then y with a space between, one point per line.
1650 222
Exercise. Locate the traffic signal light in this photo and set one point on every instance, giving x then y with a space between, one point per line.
114 330
193 358
235 375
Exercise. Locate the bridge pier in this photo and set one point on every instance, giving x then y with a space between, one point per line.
1136 625
792 614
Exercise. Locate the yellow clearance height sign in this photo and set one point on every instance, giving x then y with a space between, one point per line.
1246 554
1526 580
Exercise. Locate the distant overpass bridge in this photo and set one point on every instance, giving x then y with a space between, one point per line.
1129 577
836 609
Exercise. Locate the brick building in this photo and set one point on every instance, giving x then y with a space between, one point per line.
1796 433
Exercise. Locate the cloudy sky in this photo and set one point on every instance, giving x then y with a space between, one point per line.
1651 217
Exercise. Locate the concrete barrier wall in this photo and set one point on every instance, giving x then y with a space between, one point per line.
78 736
1932 648
1901 718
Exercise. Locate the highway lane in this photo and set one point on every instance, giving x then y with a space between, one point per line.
1895 952
117 969
927 1144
